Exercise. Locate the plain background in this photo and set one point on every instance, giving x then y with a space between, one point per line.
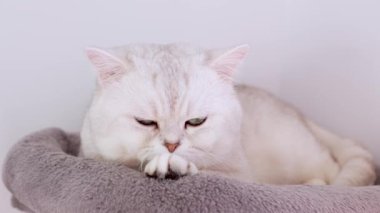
322 56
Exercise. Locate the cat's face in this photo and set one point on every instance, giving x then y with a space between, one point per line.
153 99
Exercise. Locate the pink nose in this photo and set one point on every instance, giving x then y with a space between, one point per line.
171 146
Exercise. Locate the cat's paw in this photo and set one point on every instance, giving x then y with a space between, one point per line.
169 166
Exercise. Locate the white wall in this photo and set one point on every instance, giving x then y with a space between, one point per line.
323 56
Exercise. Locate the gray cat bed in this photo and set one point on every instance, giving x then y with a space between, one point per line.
44 175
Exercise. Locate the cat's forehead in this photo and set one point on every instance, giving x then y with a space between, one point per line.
164 58
168 67
168 71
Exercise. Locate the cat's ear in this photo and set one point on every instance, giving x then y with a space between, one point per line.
227 62
109 67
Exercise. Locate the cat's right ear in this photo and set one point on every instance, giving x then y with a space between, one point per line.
227 62
109 67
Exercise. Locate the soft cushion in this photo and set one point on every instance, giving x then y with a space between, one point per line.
44 174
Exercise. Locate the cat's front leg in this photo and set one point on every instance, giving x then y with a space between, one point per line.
169 165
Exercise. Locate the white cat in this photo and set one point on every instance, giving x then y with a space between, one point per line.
174 109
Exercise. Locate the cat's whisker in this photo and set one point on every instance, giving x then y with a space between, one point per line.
144 156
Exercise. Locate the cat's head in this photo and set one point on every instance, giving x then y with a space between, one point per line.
153 99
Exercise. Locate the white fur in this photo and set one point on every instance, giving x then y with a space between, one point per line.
248 135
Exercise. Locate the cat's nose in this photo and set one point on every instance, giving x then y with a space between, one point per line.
171 146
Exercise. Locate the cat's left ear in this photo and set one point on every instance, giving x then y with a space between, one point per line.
109 67
226 63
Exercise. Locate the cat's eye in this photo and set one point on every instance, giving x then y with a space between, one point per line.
195 122
146 122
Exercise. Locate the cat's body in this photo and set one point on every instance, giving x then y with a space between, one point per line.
162 108
284 147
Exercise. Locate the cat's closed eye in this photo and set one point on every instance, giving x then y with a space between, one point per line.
145 122
195 122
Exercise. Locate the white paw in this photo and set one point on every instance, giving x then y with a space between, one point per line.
168 165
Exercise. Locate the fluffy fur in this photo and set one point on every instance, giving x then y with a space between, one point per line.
248 134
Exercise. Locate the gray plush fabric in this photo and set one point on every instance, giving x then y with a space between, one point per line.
44 175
